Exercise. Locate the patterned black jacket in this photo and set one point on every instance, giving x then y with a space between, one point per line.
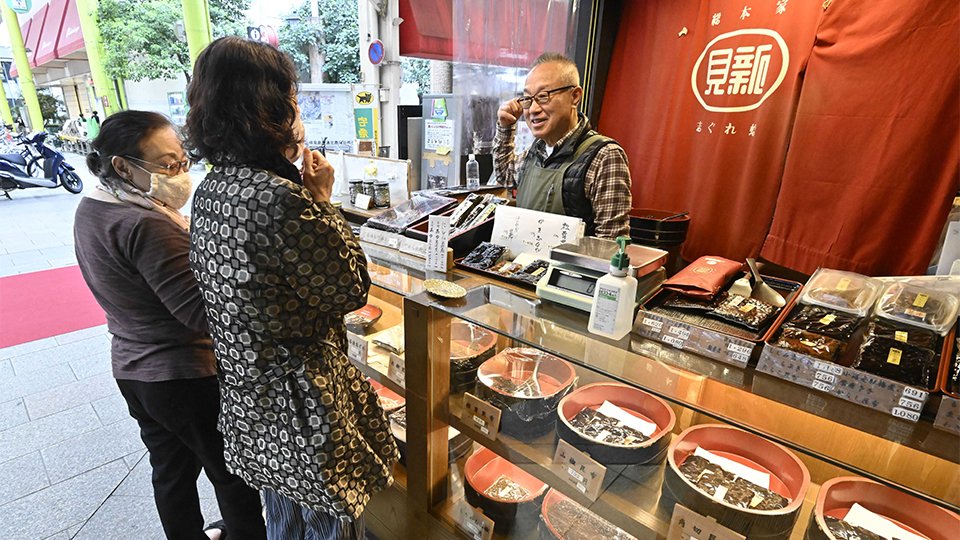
277 273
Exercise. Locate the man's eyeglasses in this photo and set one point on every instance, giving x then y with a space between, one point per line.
542 98
170 169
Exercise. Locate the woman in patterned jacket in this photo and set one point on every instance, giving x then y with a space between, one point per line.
279 267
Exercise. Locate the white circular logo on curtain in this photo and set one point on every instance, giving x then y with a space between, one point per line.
738 71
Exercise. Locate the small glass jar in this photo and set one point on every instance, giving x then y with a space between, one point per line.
368 189
356 187
381 194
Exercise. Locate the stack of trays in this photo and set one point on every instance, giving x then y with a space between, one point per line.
507 494
838 497
583 424
734 494
527 386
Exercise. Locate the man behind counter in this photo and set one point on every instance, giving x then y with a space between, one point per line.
570 169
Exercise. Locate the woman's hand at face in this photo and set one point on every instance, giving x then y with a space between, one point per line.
317 175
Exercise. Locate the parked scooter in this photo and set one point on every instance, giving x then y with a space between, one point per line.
17 170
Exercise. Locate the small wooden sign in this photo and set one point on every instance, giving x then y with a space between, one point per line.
579 470
357 348
472 521
397 370
689 525
481 415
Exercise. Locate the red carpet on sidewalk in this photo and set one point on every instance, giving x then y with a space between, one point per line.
44 304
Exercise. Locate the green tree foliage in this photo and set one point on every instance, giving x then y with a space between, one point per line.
336 34
140 41
416 70
52 109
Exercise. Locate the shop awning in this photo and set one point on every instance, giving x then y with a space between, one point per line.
46 50
25 30
497 33
71 37
33 41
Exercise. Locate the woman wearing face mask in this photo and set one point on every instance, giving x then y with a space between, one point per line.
279 268
133 246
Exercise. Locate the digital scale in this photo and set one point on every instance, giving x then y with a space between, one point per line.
572 276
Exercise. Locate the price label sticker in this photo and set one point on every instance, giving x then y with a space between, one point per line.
915 393
673 340
482 415
908 403
740 357
739 349
357 348
472 521
828 367
579 470
680 331
828 378
822 386
397 370
655 324
900 412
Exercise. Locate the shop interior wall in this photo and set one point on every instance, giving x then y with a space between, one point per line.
850 163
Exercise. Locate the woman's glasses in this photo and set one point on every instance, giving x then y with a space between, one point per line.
171 169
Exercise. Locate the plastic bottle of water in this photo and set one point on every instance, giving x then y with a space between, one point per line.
473 173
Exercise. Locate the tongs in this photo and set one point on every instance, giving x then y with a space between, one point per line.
756 288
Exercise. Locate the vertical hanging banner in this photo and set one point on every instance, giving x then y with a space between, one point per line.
720 82
366 115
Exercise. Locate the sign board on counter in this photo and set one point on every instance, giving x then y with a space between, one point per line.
579 470
397 370
481 415
438 237
689 525
357 348
521 230
472 521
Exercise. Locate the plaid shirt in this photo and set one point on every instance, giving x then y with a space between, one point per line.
607 183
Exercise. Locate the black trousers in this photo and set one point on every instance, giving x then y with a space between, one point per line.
178 425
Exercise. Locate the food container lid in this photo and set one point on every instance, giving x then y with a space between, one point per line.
843 291
381 183
918 306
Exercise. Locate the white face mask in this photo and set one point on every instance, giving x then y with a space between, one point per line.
298 162
173 191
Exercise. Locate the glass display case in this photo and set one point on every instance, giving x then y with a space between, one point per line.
519 423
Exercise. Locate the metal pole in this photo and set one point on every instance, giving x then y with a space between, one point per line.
196 24
24 73
87 9
5 105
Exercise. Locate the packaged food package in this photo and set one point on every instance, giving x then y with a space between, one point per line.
484 256
606 429
719 483
896 331
747 312
825 322
841 530
843 291
690 303
390 339
918 306
809 343
405 214
568 520
704 277
953 376
898 361
506 489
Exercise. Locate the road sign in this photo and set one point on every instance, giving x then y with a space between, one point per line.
375 52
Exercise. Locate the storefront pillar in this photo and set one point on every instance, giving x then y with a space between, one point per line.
87 9
5 106
196 24
25 74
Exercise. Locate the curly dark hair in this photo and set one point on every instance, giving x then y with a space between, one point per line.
241 98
